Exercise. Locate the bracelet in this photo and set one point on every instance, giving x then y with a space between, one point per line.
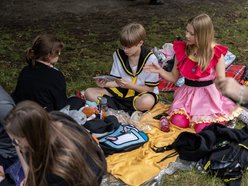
241 94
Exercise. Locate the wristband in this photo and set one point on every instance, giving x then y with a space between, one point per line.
241 94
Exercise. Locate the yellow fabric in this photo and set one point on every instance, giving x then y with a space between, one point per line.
140 165
117 92
131 92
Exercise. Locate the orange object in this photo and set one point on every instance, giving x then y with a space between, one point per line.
95 139
88 111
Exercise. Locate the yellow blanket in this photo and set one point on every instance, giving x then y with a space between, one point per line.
140 165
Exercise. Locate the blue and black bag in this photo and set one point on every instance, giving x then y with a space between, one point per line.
124 138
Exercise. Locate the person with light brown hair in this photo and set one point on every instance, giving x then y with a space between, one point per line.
200 60
53 149
131 88
40 81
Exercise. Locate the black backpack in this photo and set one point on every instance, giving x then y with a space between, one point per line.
228 161
222 151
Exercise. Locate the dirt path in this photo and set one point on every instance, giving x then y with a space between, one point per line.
29 11
33 10
103 18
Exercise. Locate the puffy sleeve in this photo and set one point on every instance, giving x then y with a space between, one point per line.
218 51
189 68
179 48
152 79
115 70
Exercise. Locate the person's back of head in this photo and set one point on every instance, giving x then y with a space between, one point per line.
87 163
43 46
52 140
132 34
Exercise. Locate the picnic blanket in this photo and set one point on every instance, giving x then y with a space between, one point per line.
140 165
236 71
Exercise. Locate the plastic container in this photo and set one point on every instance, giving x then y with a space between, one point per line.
160 56
103 106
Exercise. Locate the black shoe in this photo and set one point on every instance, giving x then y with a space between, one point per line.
156 2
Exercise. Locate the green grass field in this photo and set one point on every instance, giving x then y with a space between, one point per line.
88 52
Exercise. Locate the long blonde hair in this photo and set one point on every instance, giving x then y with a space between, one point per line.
56 145
204 36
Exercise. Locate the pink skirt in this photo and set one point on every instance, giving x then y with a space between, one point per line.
203 105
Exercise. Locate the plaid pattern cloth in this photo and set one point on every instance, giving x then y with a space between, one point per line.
166 86
235 71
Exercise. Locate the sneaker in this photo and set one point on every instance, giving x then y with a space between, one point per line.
232 123
244 117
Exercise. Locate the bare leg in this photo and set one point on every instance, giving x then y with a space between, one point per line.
91 94
144 102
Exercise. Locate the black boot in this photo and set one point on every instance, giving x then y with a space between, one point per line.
156 2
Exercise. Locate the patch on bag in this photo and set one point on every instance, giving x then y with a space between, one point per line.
124 138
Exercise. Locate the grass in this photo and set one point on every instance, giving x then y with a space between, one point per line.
88 52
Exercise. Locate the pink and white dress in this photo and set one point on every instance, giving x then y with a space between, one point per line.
201 104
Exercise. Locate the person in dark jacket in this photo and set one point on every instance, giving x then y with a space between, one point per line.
40 81
7 151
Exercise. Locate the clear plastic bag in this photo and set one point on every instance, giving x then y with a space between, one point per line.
179 165
122 116
77 115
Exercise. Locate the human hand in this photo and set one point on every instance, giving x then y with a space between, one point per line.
101 82
123 83
1 173
156 68
229 87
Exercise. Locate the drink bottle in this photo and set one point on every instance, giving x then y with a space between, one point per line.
164 124
103 106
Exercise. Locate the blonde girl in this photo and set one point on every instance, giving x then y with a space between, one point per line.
198 103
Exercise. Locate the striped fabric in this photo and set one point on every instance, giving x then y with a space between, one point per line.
235 71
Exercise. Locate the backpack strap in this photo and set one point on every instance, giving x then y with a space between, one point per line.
168 156
163 149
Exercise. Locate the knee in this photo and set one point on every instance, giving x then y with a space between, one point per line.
144 102
180 120
91 94
199 127
87 93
